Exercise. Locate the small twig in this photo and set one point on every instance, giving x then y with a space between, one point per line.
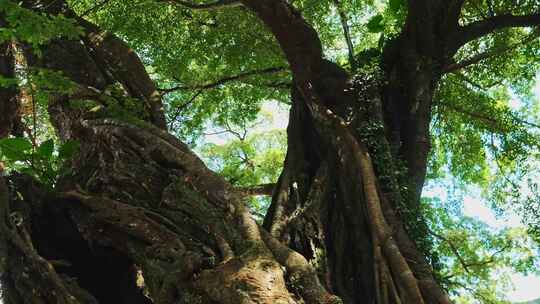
182 107
452 68
224 80
453 248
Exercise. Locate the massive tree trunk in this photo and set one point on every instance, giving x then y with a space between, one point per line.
141 220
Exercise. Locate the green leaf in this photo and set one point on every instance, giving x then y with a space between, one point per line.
14 148
46 149
395 5
68 149
28 171
375 24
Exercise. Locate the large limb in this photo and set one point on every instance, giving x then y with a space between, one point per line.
127 68
485 27
113 59
412 67
8 94
317 209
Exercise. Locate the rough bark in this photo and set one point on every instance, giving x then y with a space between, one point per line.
140 219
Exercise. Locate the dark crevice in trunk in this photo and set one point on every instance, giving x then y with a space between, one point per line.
318 211
102 273
109 275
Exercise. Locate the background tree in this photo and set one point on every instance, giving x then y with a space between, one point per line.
138 208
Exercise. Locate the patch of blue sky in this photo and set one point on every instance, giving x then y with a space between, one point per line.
526 287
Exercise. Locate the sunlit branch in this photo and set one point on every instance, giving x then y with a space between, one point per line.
241 136
488 119
453 248
495 124
477 85
485 262
499 165
472 291
225 80
484 27
230 130
346 32
216 133
451 68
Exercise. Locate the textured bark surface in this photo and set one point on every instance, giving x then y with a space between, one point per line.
319 211
140 219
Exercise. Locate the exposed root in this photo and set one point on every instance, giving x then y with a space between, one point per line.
197 209
359 156
301 272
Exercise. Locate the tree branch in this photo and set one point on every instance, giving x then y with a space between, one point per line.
453 248
219 4
451 68
497 125
224 80
298 40
346 32
126 67
484 27
180 108
280 85
477 294
476 84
